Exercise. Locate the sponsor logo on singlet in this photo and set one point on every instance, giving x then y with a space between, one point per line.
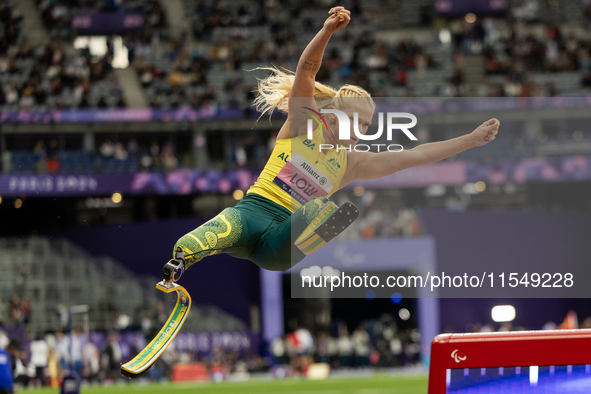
302 180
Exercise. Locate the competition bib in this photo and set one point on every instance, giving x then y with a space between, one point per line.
302 180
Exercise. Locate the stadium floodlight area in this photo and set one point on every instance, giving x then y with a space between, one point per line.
524 362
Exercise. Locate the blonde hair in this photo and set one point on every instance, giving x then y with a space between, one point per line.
273 92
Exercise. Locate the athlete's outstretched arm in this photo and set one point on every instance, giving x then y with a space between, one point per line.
375 165
308 66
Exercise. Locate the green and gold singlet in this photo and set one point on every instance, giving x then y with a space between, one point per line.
264 225
298 171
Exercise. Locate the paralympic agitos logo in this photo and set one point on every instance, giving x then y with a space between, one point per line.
345 129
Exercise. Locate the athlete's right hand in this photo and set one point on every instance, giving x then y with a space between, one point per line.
339 18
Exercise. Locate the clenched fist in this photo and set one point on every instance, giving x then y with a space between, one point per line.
339 18
486 132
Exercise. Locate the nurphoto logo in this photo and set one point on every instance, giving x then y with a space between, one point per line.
345 129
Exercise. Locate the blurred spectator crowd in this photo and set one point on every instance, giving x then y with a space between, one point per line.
44 359
47 359
256 33
53 75
57 14
519 56
17 312
378 343
382 214
49 77
235 38
111 156
383 221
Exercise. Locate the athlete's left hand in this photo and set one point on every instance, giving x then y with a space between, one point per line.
486 132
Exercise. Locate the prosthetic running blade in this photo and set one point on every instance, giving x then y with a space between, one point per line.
144 360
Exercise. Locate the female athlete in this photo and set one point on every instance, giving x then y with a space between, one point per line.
286 214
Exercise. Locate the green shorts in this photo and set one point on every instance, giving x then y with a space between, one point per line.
256 229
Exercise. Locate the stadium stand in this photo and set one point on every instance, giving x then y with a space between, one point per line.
57 15
52 272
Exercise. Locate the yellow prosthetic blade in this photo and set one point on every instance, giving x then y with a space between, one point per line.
144 360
